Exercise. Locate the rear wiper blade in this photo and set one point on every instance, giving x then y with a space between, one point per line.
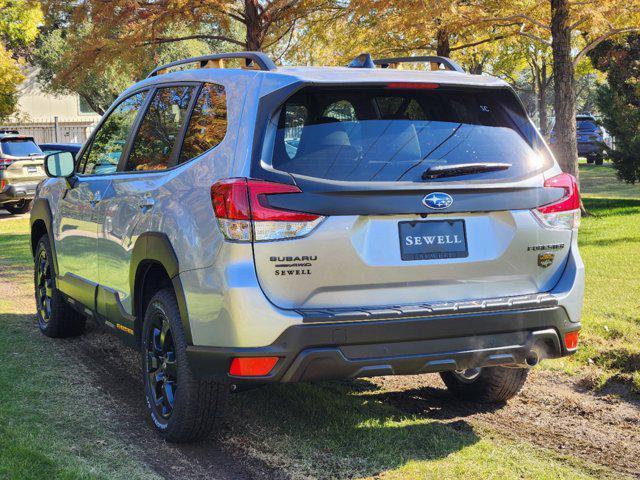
441 171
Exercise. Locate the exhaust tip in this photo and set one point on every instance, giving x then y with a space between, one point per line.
532 358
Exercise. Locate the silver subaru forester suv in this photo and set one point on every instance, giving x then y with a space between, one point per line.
266 224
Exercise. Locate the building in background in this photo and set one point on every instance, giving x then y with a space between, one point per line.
48 118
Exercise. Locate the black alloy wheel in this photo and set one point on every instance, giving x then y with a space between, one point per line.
44 287
161 366
193 410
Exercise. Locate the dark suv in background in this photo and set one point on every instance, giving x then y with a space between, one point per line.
590 139
21 169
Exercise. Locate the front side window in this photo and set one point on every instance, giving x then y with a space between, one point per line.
394 135
208 123
156 139
110 139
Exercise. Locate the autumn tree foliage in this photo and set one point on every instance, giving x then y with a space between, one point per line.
18 29
102 32
570 30
438 26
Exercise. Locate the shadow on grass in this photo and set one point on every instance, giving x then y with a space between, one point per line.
336 425
608 242
22 461
612 206
434 403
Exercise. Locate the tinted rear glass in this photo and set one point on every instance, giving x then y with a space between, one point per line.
380 134
20 147
587 125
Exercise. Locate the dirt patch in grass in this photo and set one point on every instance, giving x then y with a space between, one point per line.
553 410
115 369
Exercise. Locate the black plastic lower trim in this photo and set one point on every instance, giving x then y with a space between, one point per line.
398 346
15 193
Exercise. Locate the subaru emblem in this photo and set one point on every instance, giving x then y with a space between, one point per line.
437 200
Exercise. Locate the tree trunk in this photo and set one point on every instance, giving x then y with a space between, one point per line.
542 99
443 47
542 110
566 145
255 35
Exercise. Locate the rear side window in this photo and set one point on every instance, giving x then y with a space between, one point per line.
381 134
208 123
19 147
156 138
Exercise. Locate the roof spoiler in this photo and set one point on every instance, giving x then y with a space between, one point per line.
253 60
364 60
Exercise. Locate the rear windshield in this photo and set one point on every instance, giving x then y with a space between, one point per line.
20 147
588 125
386 134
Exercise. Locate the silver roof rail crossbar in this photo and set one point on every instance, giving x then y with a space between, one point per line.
447 63
251 60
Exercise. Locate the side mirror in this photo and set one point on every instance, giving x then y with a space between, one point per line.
59 164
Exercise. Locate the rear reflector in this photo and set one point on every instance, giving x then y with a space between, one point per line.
571 340
252 366
243 211
563 214
5 162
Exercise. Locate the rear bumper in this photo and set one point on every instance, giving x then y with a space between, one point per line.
15 193
339 350
589 148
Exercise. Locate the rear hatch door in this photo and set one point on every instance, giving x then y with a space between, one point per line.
22 160
393 235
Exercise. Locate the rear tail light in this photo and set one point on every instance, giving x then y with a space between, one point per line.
563 214
2 185
252 366
244 214
571 340
5 162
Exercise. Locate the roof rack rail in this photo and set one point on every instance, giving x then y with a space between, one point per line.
447 63
215 61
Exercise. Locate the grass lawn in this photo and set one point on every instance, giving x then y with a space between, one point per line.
54 425
610 247
52 422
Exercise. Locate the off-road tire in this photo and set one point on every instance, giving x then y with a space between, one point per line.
23 206
198 406
599 160
58 319
493 385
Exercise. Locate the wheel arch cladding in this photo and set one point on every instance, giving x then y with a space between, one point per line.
40 221
153 251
